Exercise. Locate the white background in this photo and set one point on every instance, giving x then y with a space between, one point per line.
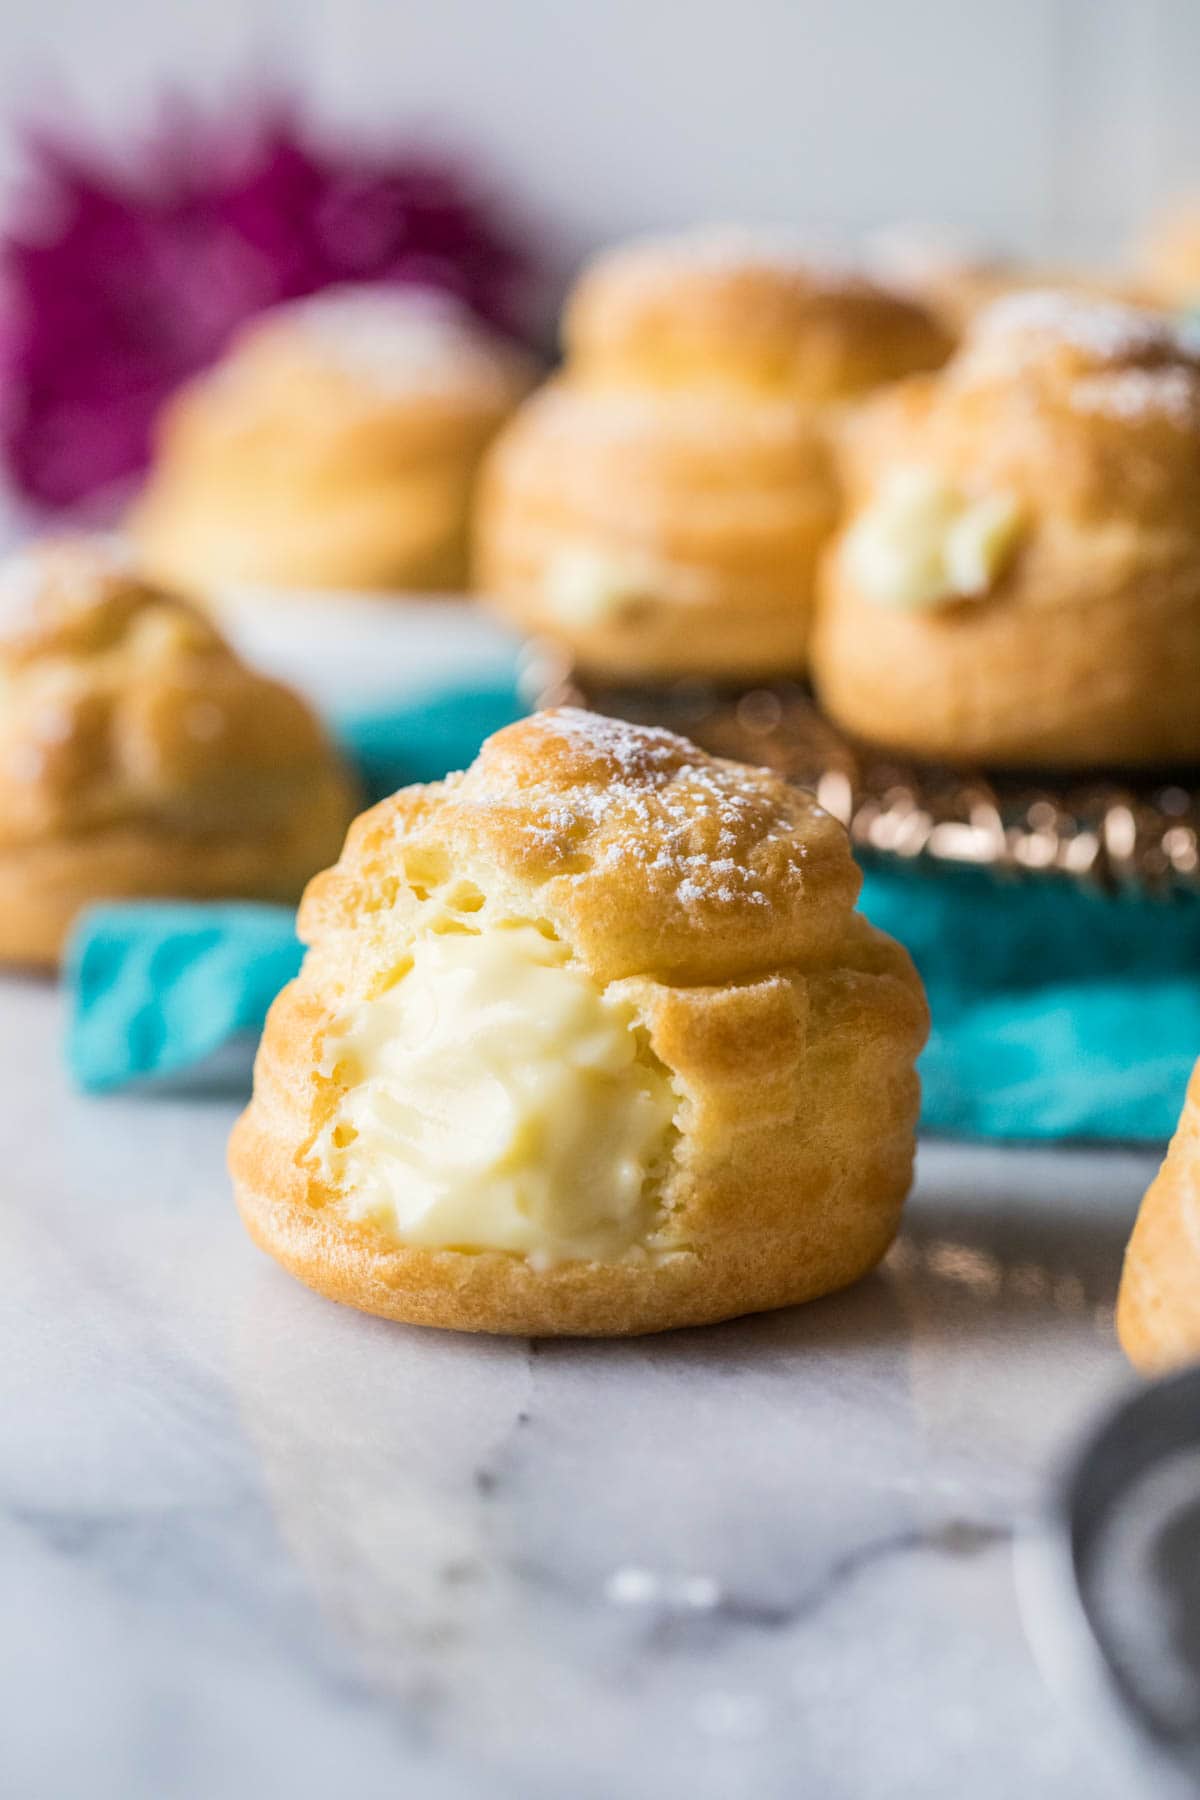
1048 124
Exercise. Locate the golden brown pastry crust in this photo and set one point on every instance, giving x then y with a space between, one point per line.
686 443
1158 1309
1168 260
140 757
956 281
1086 650
721 900
335 446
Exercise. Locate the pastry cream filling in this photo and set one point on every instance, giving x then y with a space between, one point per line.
583 586
925 541
499 1100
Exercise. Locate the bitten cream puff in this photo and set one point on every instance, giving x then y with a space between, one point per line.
335 446
588 1039
659 507
1017 578
139 757
1158 1308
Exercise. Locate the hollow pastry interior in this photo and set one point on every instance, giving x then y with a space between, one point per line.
335 445
1017 578
660 506
588 1038
139 755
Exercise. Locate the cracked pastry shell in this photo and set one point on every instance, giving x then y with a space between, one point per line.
140 758
659 506
1082 646
334 446
717 904
1158 1307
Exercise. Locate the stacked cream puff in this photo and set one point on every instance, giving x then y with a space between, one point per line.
334 446
1017 578
139 756
660 506
587 1039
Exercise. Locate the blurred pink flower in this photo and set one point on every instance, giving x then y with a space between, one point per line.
119 279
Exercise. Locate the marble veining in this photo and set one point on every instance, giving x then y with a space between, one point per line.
253 1543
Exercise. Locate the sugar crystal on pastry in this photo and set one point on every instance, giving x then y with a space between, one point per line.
588 1038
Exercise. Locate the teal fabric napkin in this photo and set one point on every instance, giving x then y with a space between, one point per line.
421 739
156 988
1057 1014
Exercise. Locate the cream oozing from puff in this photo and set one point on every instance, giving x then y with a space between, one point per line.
925 540
497 1097
584 585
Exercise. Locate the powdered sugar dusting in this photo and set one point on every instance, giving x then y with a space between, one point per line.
401 338
1106 358
74 571
1139 394
725 250
911 257
693 822
1100 330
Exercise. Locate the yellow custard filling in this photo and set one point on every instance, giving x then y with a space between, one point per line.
496 1098
925 541
584 586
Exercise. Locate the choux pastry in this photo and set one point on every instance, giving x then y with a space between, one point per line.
334 446
1158 1309
588 1039
659 507
1017 577
140 757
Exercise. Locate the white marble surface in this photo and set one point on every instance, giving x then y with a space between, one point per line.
251 1543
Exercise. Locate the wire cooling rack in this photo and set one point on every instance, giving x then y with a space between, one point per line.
1113 831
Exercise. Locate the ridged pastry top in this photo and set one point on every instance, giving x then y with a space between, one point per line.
122 704
1080 408
713 306
644 855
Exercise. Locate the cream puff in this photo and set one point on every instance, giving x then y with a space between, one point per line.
1017 578
956 280
1168 259
335 446
588 1039
1158 1308
139 757
659 507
